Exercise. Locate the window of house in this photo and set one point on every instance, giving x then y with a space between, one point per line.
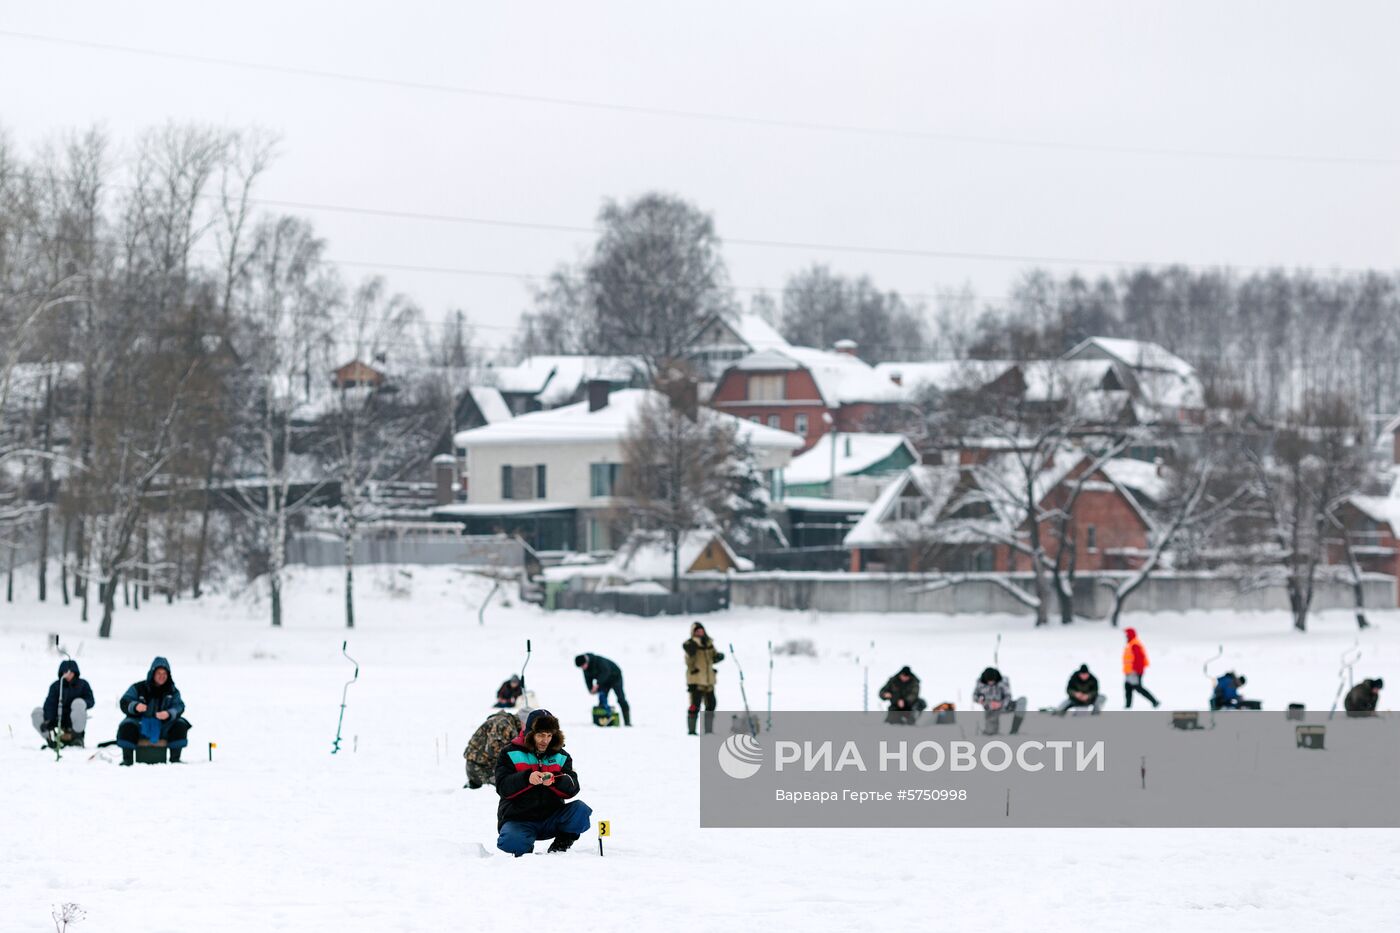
799 424
754 419
602 478
523 481
1091 538
909 508
766 388
775 421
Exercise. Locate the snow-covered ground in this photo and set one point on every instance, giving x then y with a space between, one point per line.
276 833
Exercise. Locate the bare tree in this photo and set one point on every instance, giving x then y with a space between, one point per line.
655 273
677 473
1315 462
286 301
374 432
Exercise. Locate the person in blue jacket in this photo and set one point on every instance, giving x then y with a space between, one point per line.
1227 691
66 707
154 711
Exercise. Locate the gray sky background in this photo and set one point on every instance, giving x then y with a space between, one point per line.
1302 92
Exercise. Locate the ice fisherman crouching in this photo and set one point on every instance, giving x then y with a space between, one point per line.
535 779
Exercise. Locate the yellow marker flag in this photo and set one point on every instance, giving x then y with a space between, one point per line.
604 828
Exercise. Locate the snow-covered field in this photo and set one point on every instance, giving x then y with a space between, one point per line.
276 833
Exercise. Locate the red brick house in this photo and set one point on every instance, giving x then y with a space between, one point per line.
807 391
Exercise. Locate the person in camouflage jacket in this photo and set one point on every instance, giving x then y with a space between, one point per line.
486 744
902 693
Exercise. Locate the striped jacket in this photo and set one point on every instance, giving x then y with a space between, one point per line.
521 800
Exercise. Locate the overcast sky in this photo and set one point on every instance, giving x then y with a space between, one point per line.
1241 134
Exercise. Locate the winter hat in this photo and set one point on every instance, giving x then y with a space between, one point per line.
542 721
1240 680
1377 684
990 676
1083 669
580 660
1131 633
905 670
66 665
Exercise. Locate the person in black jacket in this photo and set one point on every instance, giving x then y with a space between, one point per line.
74 696
1363 699
1082 691
536 782
902 692
155 712
509 692
601 676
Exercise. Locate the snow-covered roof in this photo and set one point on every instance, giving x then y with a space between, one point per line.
575 424
943 375
855 453
1136 354
490 403
648 556
877 527
555 379
1057 380
841 378
471 510
757 333
818 504
1384 509
1138 476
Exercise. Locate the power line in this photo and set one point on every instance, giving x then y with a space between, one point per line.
715 116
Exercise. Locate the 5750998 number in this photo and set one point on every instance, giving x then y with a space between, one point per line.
935 795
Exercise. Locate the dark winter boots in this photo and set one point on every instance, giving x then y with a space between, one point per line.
175 755
690 719
562 841
709 721
128 757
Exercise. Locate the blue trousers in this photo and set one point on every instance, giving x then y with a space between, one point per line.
518 836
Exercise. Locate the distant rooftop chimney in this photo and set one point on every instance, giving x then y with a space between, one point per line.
847 347
598 392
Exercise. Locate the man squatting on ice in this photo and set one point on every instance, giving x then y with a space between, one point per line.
700 660
535 779
902 692
76 699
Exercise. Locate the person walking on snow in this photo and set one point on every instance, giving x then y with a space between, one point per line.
154 711
1082 691
601 676
700 660
536 782
72 693
902 692
1134 665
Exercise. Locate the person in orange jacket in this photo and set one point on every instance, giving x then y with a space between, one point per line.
1134 664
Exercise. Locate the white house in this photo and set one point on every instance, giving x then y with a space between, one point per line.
550 475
